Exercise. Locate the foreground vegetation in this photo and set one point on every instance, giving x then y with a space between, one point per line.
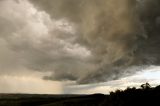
144 96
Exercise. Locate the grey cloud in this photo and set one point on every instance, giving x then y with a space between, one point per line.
109 29
99 41
33 41
119 34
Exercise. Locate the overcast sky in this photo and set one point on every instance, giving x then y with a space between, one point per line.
78 46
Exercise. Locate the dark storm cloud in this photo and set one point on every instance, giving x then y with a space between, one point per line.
108 29
82 40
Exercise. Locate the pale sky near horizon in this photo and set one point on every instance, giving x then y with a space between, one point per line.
83 47
34 84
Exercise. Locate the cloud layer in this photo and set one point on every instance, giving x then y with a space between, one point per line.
85 41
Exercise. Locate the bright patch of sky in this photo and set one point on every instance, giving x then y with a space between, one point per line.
150 75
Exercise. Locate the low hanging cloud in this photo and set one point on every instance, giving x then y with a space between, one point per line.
85 41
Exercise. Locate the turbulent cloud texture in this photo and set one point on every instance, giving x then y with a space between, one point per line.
81 40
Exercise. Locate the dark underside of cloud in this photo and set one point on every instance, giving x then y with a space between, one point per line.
108 38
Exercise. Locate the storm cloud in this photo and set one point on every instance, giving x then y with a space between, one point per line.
81 40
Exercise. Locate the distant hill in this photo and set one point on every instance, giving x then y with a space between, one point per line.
144 96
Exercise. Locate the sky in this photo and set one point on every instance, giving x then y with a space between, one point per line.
77 47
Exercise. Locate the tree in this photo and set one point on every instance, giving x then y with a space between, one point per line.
145 86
